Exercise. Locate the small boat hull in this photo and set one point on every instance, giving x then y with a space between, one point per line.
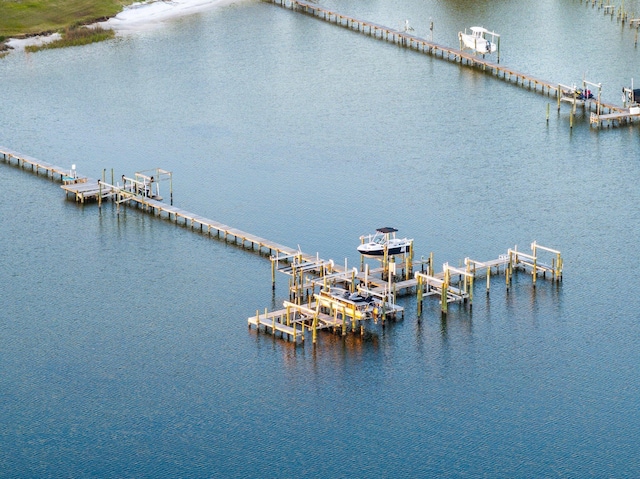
384 240
378 250
479 45
478 40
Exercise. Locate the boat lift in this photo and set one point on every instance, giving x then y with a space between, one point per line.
442 284
630 101
631 98
574 95
385 236
582 96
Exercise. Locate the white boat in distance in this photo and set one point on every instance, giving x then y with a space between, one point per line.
477 40
383 239
631 97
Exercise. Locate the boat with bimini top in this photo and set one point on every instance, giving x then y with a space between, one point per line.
383 240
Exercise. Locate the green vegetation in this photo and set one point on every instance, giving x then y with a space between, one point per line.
20 18
23 18
74 36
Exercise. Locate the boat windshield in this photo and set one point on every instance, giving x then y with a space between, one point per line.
378 239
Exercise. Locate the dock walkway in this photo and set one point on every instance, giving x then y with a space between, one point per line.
99 190
86 189
65 175
422 45
327 310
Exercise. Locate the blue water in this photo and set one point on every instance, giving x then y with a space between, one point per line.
124 347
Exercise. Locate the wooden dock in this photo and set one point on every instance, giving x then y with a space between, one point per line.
64 175
86 189
422 45
612 119
347 297
99 190
326 311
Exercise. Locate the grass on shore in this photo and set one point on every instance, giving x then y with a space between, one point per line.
75 36
22 18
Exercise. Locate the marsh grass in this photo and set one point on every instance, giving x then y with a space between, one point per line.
75 36
21 18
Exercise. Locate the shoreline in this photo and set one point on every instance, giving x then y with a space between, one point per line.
138 16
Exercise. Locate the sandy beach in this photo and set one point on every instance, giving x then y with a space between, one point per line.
152 14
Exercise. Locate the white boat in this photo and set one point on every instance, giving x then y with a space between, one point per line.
631 98
477 40
384 239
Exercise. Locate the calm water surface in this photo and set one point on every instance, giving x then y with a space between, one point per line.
124 345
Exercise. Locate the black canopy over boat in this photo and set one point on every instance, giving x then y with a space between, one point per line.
384 239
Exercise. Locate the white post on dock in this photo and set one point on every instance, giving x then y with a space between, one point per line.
392 270
445 292
419 293
489 277
366 276
535 263
273 272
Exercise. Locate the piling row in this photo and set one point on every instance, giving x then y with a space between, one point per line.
64 175
622 15
360 296
204 225
421 45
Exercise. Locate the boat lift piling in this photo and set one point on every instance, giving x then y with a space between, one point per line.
307 271
440 284
575 96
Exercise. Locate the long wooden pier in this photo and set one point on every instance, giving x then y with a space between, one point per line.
86 189
187 218
347 297
64 175
422 45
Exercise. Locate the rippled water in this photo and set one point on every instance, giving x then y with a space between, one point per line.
125 349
